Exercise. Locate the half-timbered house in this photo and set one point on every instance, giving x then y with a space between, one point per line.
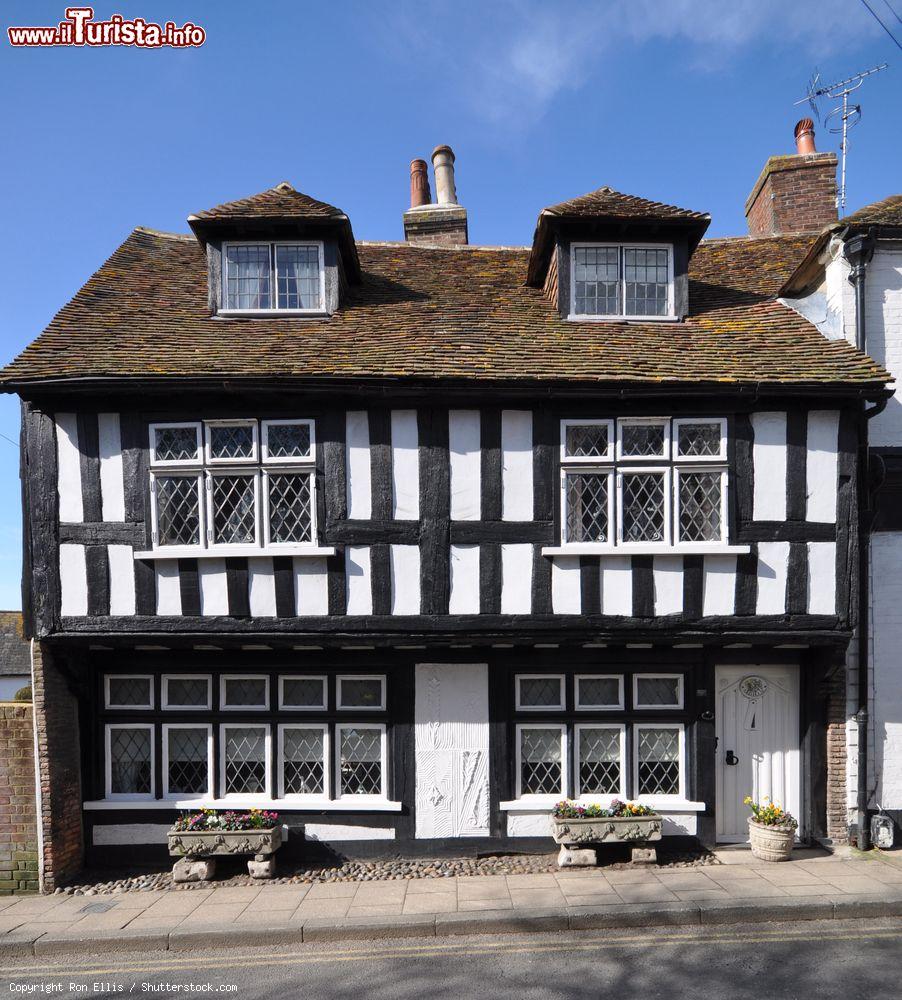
410 540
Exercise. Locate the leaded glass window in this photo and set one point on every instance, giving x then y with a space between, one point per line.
360 760
541 760
303 760
177 509
589 440
700 497
245 692
588 506
303 692
600 763
186 692
643 514
244 749
701 439
229 442
286 440
658 691
658 760
643 439
290 507
187 760
605 692
537 692
130 760
361 692
233 509
129 692
175 443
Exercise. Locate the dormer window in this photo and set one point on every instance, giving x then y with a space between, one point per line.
284 277
623 280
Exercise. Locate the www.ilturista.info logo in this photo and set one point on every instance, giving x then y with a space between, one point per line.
80 28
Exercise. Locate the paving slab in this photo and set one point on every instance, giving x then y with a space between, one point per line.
431 886
537 897
482 890
331 890
326 908
433 902
207 914
858 885
640 893
375 909
484 905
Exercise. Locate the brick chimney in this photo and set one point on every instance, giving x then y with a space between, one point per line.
794 194
443 223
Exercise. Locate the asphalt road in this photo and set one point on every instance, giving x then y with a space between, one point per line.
808 961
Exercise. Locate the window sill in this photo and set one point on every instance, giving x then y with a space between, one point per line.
687 549
229 551
363 803
661 803
617 318
271 314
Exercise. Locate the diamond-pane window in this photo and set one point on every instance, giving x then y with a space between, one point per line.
598 692
129 692
131 769
642 498
284 440
245 759
303 692
244 692
303 761
658 761
360 692
187 692
647 279
248 276
290 506
587 440
231 441
701 505
540 692
360 760
587 495
599 761
659 692
596 281
541 766
188 765
699 440
642 440
178 510
175 444
234 509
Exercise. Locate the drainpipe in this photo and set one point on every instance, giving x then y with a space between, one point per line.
858 251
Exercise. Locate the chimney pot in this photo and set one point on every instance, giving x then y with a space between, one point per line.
804 136
419 184
443 166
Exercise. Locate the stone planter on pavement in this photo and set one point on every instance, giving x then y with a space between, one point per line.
771 843
196 850
575 836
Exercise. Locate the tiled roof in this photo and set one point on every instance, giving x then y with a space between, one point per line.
613 204
435 313
882 213
15 656
279 202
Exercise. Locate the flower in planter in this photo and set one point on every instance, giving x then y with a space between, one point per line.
568 809
209 819
768 813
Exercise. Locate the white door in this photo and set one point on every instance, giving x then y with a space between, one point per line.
451 747
757 727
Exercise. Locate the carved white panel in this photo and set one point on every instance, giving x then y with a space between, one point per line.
451 743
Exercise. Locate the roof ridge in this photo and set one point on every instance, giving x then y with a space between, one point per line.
187 237
439 246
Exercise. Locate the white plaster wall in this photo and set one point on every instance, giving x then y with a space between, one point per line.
884 334
886 603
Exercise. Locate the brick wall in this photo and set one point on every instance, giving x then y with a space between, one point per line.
18 815
56 714
837 811
793 194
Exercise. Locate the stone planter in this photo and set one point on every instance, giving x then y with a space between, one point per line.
771 843
196 850
574 836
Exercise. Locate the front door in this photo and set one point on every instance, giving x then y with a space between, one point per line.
757 727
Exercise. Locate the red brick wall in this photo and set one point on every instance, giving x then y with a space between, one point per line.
18 815
56 712
837 811
793 194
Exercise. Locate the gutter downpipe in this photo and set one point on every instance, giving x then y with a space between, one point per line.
858 251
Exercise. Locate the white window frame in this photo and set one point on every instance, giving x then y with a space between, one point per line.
225 310
295 460
680 794
717 459
565 765
219 471
562 702
223 704
128 677
303 677
294 470
340 727
595 470
724 504
326 793
267 750
644 422
621 728
167 794
359 677
681 691
579 706
159 463
198 476
588 459
640 470
108 763
209 460
164 692
670 316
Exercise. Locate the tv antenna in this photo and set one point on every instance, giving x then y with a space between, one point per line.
840 119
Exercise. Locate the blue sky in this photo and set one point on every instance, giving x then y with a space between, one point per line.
678 101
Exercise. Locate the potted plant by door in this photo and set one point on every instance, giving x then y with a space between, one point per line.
771 830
